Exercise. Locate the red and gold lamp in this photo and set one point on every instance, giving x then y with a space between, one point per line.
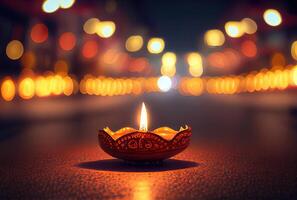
143 145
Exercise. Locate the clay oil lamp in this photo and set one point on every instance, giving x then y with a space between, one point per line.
142 145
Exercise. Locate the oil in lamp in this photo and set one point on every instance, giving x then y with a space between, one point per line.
143 145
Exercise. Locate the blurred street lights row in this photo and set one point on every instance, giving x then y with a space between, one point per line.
55 85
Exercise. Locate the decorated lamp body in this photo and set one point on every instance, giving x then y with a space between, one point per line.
134 145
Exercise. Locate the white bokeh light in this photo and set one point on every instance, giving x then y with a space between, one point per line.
50 6
164 83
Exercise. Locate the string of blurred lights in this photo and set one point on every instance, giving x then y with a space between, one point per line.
62 84
278 78
105 29
55 84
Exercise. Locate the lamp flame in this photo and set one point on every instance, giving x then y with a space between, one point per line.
143 119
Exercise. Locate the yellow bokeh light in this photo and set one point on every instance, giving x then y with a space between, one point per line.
82 86
196 71
137 87
66 3
195 86
90 26
169 58
294 50
194 59
249 26
8 89
294 75
26 88
210 86
195 64
56 85
41 87
14 49
234 29
68 86
155 45
168 64
214 38
134 43
272 17
191 86
167 70
105 29
280 78
50 6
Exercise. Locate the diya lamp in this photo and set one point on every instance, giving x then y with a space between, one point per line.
143 145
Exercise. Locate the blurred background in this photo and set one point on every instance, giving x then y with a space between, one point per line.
225 68
72 67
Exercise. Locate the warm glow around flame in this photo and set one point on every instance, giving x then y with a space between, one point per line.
143 119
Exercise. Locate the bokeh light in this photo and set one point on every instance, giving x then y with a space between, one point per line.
139 65
8 89
294 75
249 48
227 59
249 26
195 71
168 70
168 64
134 43
67 41
255 81
90 26
164 83
114 61
107 86
217 59
68 86
234 29
169 58
90 49
14 49
110 56
26 88
272 17
191 86
56 85
214 38
39 33
105 29
195 63
194 59
42 87
65 4
155 45
50 6
294 50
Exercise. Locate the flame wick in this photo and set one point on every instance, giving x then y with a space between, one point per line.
143 118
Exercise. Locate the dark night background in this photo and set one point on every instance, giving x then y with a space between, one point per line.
56 93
